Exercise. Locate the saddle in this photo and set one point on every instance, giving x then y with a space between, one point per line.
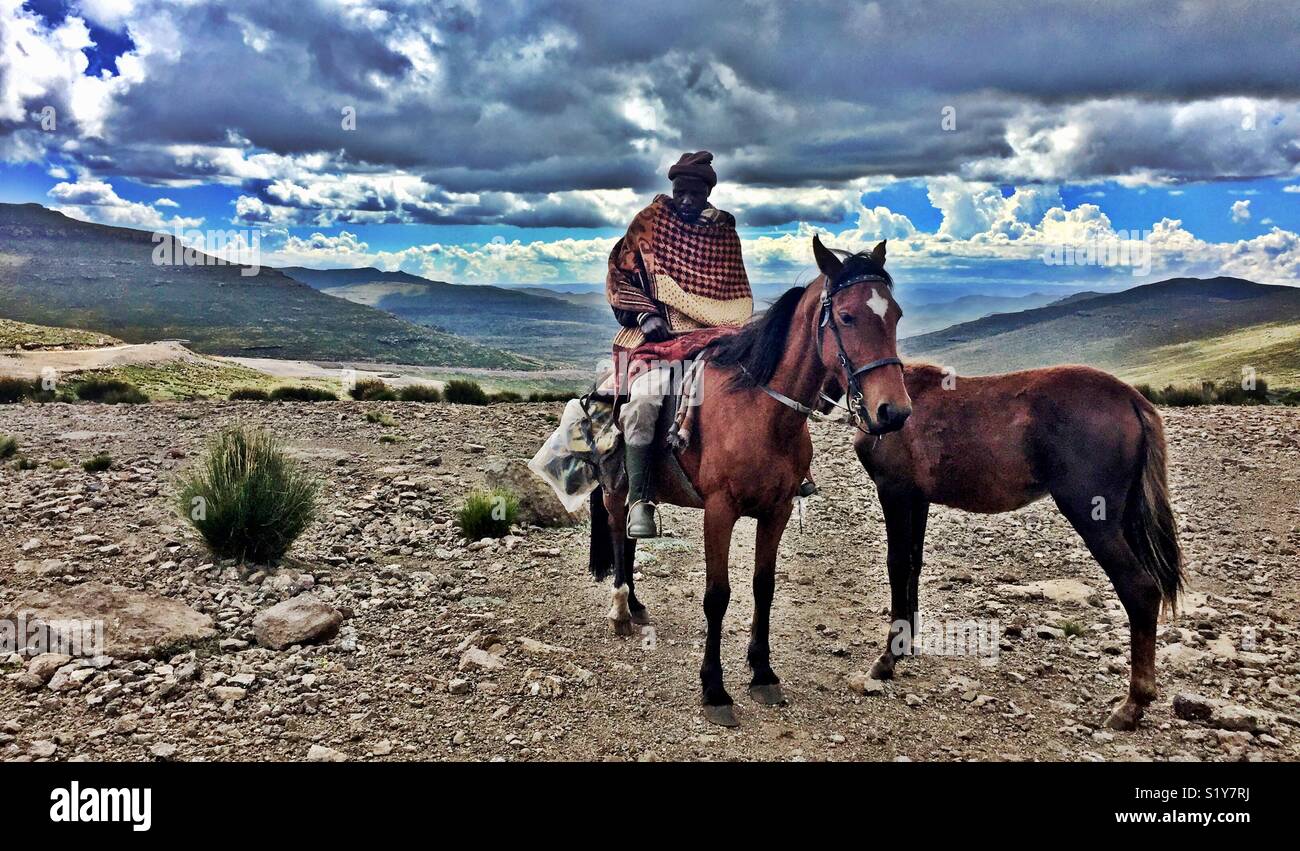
667 428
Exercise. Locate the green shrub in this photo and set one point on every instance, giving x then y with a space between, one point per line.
249 394
1208 393
380 418
462 392
109 391
488 514
419 393
302 394
22 462
389 438
15 389
1071 628
58 464
1230 393
8 446
1183 397
505 396
372 390
99 463
550 397
248 499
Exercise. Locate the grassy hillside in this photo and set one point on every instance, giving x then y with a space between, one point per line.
24 335
553 328
1180 330
61 272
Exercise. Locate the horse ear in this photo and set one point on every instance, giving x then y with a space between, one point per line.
878 253
827 262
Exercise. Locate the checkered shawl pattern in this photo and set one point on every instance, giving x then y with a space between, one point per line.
703 259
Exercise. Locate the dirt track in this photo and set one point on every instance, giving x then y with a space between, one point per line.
416 600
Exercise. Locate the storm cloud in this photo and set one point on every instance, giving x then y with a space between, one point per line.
564 113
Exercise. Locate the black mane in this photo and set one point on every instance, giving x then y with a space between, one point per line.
758 346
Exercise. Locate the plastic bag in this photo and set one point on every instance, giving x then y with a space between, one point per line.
570 459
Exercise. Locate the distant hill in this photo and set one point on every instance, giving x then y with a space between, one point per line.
560 328
923 317
1175 331
58 271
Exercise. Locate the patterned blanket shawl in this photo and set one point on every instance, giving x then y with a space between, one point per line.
693 273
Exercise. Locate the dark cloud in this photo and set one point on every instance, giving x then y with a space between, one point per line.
533 99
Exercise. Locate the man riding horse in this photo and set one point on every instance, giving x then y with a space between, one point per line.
678 269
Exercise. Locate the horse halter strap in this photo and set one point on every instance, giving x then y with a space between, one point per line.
852 389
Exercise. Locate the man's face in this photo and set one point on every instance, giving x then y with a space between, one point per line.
689 197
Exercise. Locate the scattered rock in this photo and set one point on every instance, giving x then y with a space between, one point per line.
136 624
320 753
299 620
42 667
1194 707
476 657
863 684
538 504
163 751
1245 719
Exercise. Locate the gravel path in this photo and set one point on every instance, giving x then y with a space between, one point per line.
503 651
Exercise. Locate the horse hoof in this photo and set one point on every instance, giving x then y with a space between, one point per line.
1125 717
723 716
882 670
622 628
768 695
640 617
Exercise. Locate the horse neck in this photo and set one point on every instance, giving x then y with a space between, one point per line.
800 374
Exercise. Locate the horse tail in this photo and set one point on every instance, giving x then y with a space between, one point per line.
601 560
1149 524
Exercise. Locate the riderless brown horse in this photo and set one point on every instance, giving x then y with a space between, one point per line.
996 443
750 447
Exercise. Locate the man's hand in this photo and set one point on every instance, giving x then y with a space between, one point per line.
655 329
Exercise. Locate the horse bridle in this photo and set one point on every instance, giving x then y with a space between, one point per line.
854 398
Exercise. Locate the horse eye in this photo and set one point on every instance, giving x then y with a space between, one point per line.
846 318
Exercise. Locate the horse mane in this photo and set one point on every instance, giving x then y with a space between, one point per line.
757 347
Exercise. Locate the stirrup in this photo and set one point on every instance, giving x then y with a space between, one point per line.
641 520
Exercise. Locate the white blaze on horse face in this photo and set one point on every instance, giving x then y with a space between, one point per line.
878 303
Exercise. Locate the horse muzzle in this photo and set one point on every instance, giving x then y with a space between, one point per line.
887 417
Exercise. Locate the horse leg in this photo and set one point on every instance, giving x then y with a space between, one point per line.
765 687
920 514
898 529
1138 592
634 606
620 614
719 520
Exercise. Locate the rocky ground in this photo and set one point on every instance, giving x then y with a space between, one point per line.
502 651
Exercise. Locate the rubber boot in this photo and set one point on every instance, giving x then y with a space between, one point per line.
641 508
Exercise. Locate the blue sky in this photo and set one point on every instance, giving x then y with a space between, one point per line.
513 145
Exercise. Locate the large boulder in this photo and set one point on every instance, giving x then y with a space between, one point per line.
538 504
299 620
135 624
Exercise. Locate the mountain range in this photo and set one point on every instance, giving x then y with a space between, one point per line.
560 328
55 270
1176 331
